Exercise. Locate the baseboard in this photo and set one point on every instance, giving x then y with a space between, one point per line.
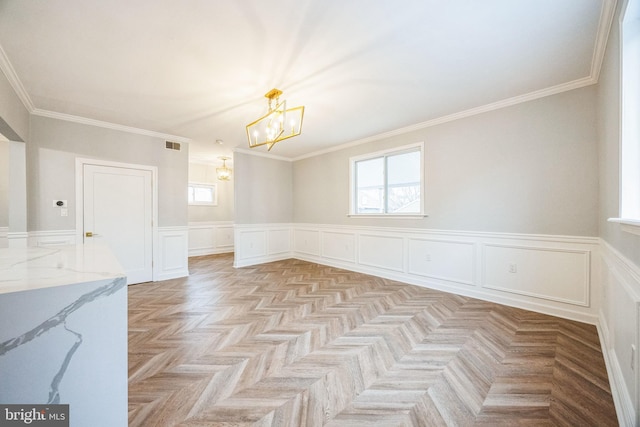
545 273
248 262
621 398
619 321
574 276
209 251
563 312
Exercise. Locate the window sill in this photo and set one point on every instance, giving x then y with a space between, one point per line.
629 225
394 216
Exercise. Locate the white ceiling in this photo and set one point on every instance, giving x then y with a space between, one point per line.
199 69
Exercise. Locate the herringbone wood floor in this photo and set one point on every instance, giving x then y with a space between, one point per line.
293 343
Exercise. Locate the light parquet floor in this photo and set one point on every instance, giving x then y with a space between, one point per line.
293 343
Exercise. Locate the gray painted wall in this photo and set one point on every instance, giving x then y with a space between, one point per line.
206 174
529 168
263 189
51 155
608 101
14 117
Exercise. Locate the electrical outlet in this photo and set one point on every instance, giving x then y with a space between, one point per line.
513 268
64 212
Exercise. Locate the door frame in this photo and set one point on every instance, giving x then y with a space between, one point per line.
80 162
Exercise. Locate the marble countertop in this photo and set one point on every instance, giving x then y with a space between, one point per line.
23 269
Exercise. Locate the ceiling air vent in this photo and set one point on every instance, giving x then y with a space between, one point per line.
173 145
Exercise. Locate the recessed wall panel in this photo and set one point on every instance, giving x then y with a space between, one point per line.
339 246
445 260
549 273
307 241
381 251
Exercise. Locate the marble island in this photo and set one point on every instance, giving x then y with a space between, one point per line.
63 331
41 267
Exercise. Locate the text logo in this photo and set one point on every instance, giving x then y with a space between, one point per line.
34 415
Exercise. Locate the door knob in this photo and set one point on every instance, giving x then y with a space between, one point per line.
90 234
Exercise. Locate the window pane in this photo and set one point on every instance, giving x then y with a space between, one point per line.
203 194
370 186
403 180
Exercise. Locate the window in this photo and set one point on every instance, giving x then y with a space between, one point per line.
203 194
388 183
630 110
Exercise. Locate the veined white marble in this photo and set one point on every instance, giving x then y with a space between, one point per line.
32 268
63 331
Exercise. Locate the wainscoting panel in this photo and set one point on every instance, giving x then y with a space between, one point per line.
260 243
553 273
224 238
339 246
172 261
548 273
620 332
279 241
207 238
453 261
306 241
252 244
380 251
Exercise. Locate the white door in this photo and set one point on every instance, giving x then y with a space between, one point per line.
117 205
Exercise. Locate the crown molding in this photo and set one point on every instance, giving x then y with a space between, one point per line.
261 154
14 81
554 90
607 13
108 125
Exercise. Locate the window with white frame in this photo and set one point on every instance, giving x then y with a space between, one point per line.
388 183
203 194
630 111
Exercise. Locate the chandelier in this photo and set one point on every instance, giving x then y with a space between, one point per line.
224 173
277 125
